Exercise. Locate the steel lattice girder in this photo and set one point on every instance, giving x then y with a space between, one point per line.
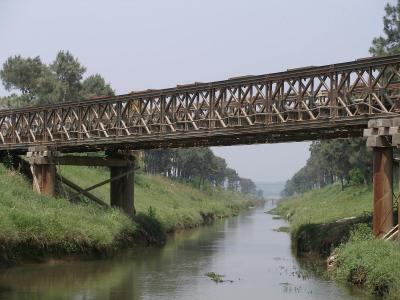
299 104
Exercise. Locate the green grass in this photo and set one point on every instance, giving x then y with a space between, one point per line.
371 264
174 204
34 226
326 205
27 218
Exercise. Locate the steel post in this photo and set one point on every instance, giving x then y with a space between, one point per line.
383 190
43 170
122 189
45 177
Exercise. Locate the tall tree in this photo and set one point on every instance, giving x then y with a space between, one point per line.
22 74
390 42
70 72
95 86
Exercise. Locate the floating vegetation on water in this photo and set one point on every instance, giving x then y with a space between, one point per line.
217 278
290 288
276 217
282 229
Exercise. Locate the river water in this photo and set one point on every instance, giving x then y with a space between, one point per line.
245 249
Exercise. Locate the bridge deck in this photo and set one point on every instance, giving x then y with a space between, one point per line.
300 104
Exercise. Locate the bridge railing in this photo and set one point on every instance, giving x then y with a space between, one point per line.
341 91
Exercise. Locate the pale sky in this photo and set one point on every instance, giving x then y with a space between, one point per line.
138 45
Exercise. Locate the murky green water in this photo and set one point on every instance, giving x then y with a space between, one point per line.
245 249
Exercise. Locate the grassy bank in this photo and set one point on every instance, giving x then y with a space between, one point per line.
174 204
330 221
33 226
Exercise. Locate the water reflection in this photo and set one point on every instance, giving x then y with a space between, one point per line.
245 249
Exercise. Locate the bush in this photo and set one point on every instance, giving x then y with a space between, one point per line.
356 176
150 228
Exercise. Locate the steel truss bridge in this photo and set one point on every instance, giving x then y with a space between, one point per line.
300 104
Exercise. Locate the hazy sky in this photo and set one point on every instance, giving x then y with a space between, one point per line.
137 45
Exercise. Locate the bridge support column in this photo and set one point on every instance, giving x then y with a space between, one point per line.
122 188
43 170
383 190
380 140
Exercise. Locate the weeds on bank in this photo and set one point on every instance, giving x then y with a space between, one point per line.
369 263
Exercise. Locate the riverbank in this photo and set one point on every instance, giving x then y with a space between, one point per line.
336 223
34 227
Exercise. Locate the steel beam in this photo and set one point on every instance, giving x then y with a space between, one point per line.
310 103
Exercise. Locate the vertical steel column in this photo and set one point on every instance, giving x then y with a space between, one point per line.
383 190
45 177
122 189
398 199
43 169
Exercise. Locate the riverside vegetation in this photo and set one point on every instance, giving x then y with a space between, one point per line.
38 227
335 221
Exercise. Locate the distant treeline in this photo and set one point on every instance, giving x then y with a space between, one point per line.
348 161
199 166
63 80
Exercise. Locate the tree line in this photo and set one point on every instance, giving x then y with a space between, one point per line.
198 166
347 161
34 82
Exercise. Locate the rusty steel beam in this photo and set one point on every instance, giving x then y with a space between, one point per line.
79 191
299 104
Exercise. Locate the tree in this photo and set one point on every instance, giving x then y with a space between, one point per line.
233 179
95 86
70 72
390 42
22 74
49 89
247 186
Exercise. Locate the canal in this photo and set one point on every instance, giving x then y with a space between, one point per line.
256 259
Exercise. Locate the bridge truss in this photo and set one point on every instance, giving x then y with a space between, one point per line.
299 104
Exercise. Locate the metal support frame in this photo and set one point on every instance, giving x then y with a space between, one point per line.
382 136
309 103
80 191
43 162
